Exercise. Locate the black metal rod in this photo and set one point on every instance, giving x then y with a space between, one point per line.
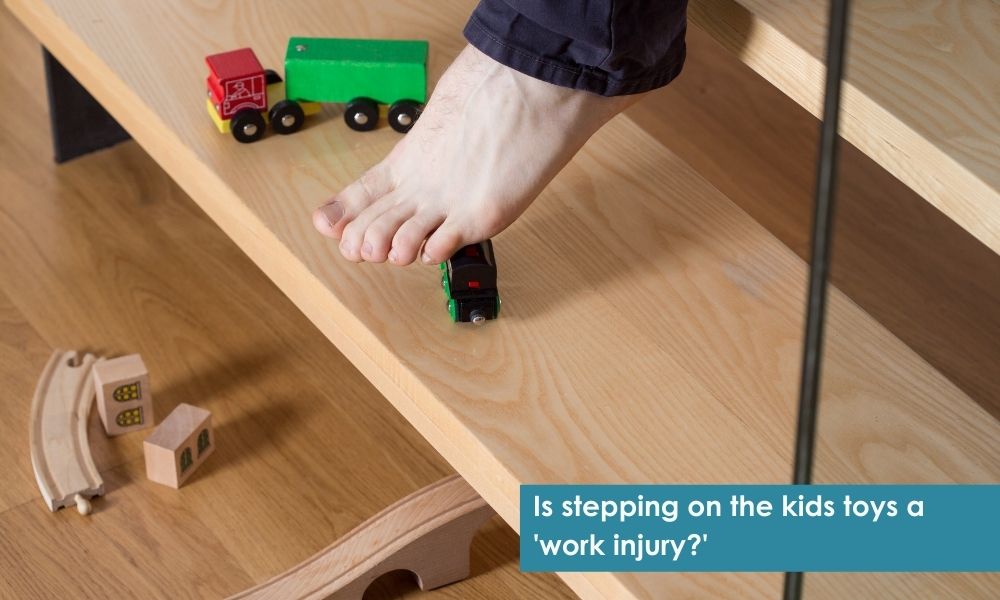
819 264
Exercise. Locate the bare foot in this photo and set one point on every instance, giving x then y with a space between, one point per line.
489 140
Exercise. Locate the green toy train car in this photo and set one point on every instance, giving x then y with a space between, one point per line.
363 74
469 279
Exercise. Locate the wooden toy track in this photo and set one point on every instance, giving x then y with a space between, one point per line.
60 453
427 533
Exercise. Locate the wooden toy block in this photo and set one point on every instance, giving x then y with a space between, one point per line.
60 453
427 533
124 401
179 445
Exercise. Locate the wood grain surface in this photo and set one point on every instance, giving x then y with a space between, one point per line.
108 255
930 282
651 328
922 89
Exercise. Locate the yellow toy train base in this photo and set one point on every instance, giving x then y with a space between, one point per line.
275 90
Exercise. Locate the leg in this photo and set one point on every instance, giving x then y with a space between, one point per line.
80 125
502 122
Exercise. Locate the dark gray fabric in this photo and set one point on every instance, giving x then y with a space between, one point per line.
608 47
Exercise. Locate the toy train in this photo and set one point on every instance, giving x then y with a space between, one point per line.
243 97
469 279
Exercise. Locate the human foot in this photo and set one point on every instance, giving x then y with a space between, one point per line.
489 140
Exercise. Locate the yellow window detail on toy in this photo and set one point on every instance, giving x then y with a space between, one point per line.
186 459
130 417
203 442
127 392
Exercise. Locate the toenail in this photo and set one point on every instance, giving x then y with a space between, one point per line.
393 256
333 212
366 249
427 259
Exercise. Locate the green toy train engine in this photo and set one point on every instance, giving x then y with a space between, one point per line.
469 279
363 74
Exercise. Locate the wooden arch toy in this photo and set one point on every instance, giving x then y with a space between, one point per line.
428 533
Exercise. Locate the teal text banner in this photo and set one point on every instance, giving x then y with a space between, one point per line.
760 528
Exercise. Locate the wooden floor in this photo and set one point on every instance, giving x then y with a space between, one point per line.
107 254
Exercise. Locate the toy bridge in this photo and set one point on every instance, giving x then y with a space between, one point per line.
427 533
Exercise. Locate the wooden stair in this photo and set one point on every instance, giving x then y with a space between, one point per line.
921 92
651 328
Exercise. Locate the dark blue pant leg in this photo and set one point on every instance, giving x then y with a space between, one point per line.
608 47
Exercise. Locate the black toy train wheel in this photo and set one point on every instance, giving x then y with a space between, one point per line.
403 114
247 126
286 117
361 114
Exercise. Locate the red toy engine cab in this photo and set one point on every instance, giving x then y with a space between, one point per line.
237 90
236 81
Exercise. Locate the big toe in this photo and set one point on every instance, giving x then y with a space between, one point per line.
331 218
326 217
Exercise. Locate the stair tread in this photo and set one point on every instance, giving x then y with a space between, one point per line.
922 89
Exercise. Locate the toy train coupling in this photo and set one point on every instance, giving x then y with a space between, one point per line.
469 279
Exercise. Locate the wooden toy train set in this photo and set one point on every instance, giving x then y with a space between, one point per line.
362 74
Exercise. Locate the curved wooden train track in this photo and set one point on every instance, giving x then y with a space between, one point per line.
60 453
427 533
